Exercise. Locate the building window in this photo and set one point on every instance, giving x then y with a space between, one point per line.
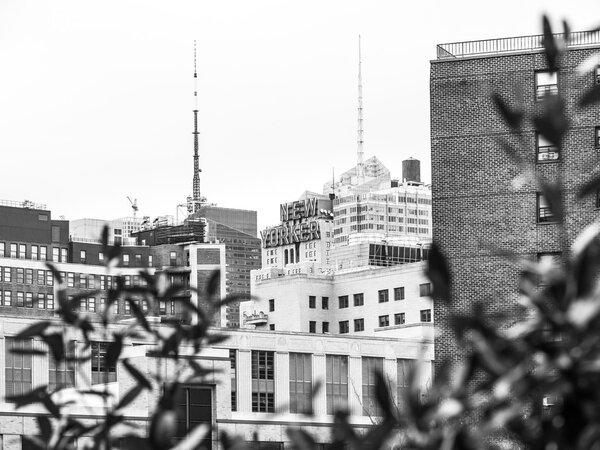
404 367
263 381
29 299
101 371
34 251
546 151
369 390
233 373
50 301
7 298
359 299
138 260
13 250
49 278
384 321
399 293
271 304
173 258
29 276
425 315
70 279
343 301
384 296
17 367
300 383
399 318
82 256
544 213
7 274
92 304
425 290
63 254
125 259
312 326
336 385
41 277
359 324
546 83
82 281
22 251
91 282
55 254
325 302
597 75
20 275
20 299
325 327
193 406
150 260
344 327
41 301
43 253
62 374
597 137
272 326
312 301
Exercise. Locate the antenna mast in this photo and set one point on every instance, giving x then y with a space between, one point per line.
360 165
197 199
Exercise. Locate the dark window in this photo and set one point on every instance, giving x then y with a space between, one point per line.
359 324
101 372
597 75
399 318
359 299
263 381
425 315
384 321
272 304
173 258
399 293
544 213
384 296
138 260
55 234
369 381
325 302
344 327
597 198
312 326
425 289
546 83
17 367
271 326
312 301
233 373
343 301
193 405
325 327
336 386
546 151
300 382
597 137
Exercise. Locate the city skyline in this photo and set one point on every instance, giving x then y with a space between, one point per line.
98 103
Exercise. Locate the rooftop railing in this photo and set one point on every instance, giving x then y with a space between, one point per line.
512 45
24 204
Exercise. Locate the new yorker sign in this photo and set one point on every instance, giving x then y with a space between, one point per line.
297 224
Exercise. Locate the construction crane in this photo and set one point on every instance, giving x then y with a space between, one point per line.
134 206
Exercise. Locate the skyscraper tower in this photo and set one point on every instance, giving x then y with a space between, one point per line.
196 197
360 165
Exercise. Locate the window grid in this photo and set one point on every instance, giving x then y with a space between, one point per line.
404 367
18 374
336 385
300 382
263 384
343 301
398 293
233 374
384 295
359 324
101 372
62 374
370 366
359 299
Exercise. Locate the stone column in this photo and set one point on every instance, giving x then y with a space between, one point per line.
244 379
282 382
319 376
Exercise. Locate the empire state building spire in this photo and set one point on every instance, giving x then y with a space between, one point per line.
196 197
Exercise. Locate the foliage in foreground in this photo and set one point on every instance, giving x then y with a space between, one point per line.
551 357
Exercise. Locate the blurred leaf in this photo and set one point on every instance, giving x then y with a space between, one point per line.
114 252
45 427
438 273
566 31
384 398
212 286
55 272
231 298
550 46
37 395
552 122
28 351
215 338
591 97
591 186
137 312
300 439
37 329
130 396
135 373
115 346
512 117
163 428
193 438
104 239
56 345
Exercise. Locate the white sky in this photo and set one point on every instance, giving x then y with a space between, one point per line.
96 97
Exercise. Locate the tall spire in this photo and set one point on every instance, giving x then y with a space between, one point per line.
360 165
197 199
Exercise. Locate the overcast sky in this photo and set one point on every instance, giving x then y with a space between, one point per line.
96 98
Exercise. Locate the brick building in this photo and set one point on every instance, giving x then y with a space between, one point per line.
476 203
